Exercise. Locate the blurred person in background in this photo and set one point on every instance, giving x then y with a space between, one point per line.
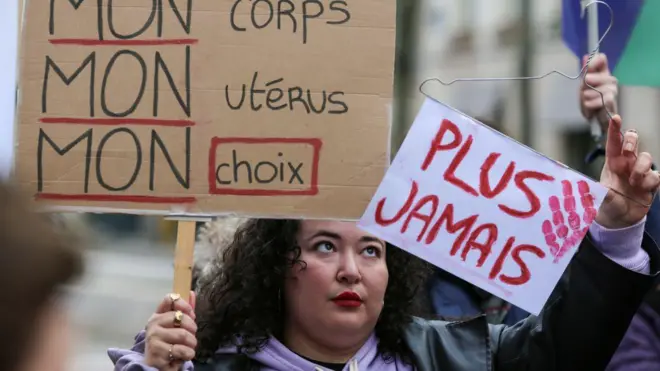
36 263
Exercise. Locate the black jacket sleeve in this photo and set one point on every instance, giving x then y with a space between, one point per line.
584 320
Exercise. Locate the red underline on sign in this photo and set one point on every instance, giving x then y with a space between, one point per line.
95 42
115 121
115 198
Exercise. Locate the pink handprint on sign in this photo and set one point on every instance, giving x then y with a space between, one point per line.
560 237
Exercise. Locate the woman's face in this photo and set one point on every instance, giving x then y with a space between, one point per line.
338 297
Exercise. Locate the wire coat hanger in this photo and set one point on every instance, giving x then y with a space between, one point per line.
582 74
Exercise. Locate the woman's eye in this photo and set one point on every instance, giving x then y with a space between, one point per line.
325 247
371 251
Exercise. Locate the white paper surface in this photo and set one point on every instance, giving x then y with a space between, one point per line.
8 63
501 243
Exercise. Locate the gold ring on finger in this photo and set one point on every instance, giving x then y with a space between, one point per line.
174 298
178 318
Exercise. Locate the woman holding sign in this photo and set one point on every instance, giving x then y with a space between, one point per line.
323 295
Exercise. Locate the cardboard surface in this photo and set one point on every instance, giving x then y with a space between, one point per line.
165 120
483 207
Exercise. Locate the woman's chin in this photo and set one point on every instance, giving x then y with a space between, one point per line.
348 320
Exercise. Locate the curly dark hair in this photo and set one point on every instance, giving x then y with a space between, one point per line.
241 297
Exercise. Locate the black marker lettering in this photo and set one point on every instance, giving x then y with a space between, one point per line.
76 5
276 99
344 107
279 94
261 17
240 171
273 171
297 97
99 157
150 20
87 135
160 64
280 154
217 174
240 104
185 23
289 12
308 15
237 165
232 17
254 91
336 5
157 140
253 14
311 102
90 60
138 98
295 173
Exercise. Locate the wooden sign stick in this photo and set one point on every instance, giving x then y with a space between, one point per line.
183 258
184 253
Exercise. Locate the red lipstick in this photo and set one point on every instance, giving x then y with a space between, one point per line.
348 299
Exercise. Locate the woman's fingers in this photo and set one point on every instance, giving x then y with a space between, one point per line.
173 302
643 176
162 355
595 96
170 337
168 320
641 168
193 301
175 336
651 181
597 64
630 142
166 343
597 80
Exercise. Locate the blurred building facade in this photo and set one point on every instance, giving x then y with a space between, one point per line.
482 38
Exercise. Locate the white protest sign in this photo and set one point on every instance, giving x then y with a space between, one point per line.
483 207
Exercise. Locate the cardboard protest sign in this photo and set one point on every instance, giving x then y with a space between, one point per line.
483 207
263 107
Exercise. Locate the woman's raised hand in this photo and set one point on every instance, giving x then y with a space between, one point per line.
170 337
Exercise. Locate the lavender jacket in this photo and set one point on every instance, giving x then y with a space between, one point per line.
640 348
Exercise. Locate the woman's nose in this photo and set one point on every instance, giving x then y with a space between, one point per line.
349 272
